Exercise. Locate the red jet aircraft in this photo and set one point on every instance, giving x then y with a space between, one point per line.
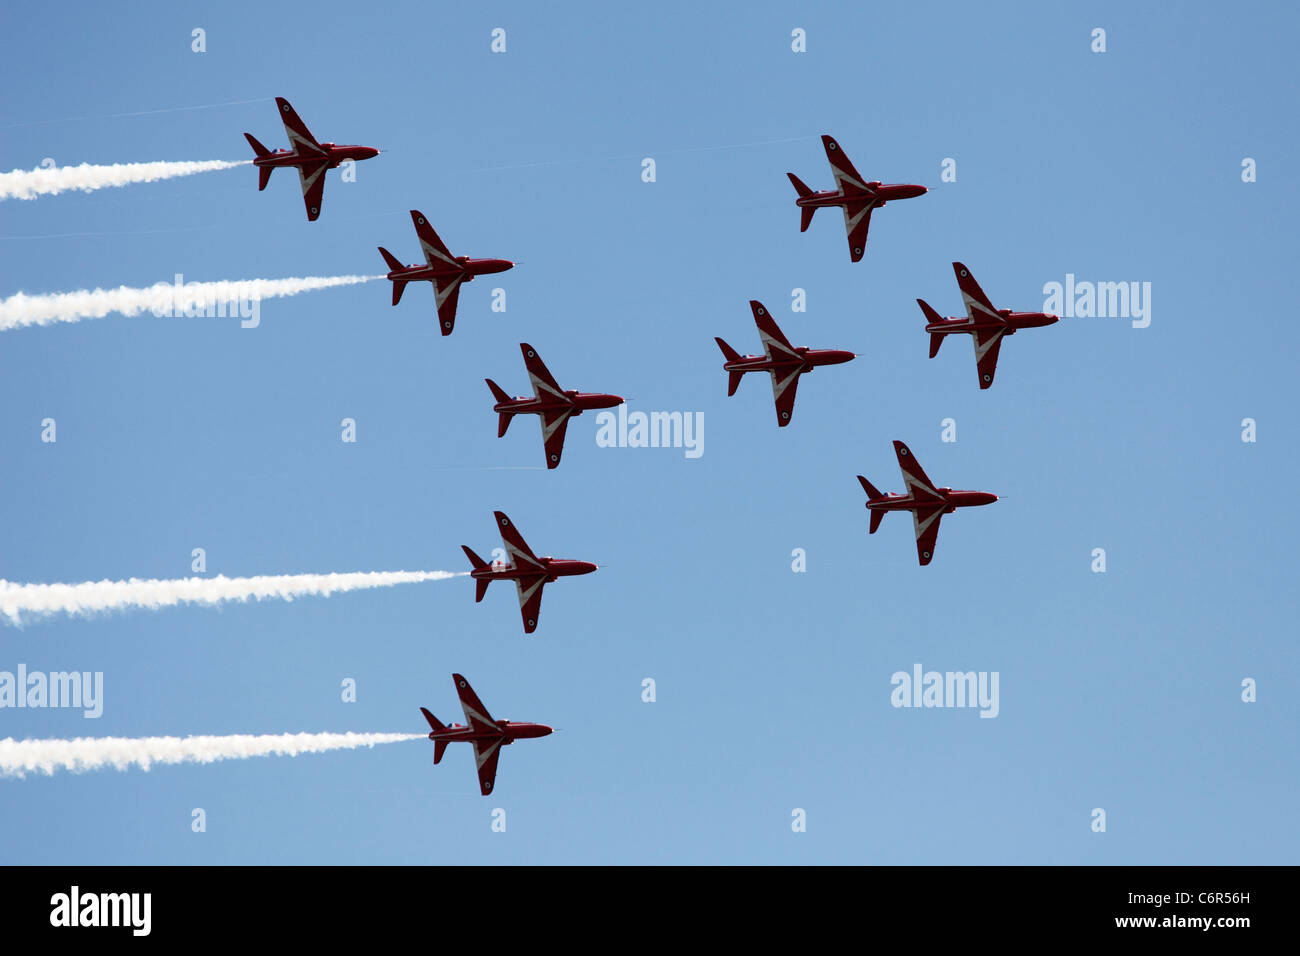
444 270
985 324
487 735
310 157
857 196
926 502
783 360
553 405
529 572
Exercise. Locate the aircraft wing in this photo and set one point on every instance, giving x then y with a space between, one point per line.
847 178
926 521
312 177
543 382
914 477
987 344
977 303
300 138
775 344
435 251
520 554
446 292
554 425
486 755
477 717
530 599
857 220
784 385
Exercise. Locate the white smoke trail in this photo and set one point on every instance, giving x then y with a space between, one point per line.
30 183
174 299
21 757
42 600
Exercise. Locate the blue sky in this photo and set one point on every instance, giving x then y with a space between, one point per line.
1118 690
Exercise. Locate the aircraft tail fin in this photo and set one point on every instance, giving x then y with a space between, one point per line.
263 172
503 419
733 377
480 584
394 265
805 212
439 746
932 318
869 488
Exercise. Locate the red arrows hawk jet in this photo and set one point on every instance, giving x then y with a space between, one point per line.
487 735
444 270
857 197
783 360
986 325
313 159
927 502
553 405
529 572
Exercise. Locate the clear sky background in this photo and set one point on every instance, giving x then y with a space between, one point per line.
1118 690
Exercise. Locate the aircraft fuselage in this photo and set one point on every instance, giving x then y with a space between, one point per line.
809 359
880 192
469 268
579 402
509 732
334 155
952 501
553 568
1010 322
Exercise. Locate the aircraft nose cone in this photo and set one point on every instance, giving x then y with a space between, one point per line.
546 731
586 567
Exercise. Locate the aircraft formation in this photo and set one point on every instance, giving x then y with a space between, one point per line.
785 363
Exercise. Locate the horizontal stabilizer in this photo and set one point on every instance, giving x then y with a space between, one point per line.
730 354
876 518
931 317
258 149
869 488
